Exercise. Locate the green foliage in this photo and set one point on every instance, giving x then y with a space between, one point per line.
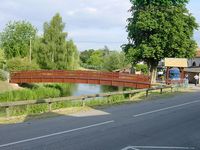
85 55
29 94
143 3
3 75
2 58
142 67
65 89
18 64
96 59
159 29
15 39
102 59
52 50
114 60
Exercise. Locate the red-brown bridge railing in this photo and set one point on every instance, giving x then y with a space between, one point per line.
86 77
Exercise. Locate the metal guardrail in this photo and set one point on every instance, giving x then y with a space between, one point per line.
49 101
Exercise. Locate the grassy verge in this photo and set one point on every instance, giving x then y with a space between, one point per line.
42 110
36 91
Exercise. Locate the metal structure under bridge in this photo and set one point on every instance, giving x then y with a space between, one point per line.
85 77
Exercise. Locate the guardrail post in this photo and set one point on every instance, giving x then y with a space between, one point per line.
83 102
130 95
50 106
7 111
147 93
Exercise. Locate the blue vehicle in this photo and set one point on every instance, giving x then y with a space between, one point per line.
174 74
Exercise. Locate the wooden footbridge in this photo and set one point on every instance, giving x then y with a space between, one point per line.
86 77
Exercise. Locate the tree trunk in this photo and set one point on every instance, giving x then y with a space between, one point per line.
153 73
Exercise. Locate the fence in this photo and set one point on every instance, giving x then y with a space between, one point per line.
49 101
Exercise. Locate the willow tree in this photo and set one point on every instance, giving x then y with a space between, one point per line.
159 29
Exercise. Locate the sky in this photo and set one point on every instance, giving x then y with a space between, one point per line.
90 23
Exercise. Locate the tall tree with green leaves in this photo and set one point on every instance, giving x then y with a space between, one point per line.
52 50
15 39
159 29
2 58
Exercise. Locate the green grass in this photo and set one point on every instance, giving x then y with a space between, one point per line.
56 90
42 108
29 94
34 91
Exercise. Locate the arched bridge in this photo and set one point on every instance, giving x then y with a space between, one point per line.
86 77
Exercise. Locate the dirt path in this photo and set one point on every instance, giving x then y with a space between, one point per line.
6 86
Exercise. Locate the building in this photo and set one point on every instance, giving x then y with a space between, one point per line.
193 67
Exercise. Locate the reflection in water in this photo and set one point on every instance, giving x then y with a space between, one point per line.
85 89
67 89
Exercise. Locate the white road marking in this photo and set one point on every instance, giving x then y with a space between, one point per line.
55 134
167 108
129 148
157 147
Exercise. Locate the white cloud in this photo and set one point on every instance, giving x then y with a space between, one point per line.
91 23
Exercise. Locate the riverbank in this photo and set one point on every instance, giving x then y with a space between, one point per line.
5 86
72 107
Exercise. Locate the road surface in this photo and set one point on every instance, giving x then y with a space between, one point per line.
168 123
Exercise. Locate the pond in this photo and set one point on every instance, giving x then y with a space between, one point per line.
85 89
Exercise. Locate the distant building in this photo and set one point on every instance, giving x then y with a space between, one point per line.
193 67
195 62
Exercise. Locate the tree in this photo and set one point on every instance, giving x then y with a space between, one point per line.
2 58
15 39
159 29
72 55
52 50
96 59
18 64
114 60
85 55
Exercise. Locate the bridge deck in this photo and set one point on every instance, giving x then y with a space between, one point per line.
87 77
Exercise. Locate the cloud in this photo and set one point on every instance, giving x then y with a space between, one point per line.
90 23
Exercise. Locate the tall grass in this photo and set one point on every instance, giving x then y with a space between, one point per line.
39 91
41 108
29 94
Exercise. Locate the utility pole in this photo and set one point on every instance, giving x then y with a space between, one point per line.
30 50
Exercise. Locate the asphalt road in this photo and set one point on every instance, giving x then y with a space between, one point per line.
170 123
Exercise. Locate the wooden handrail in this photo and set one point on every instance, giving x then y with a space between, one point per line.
90 77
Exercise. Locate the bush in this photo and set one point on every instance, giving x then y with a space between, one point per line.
28 94
4 75
142 67
18 64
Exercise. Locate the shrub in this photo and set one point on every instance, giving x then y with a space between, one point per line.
28 94
4 75
142 67
18 64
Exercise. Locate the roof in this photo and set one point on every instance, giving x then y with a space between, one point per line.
195 70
